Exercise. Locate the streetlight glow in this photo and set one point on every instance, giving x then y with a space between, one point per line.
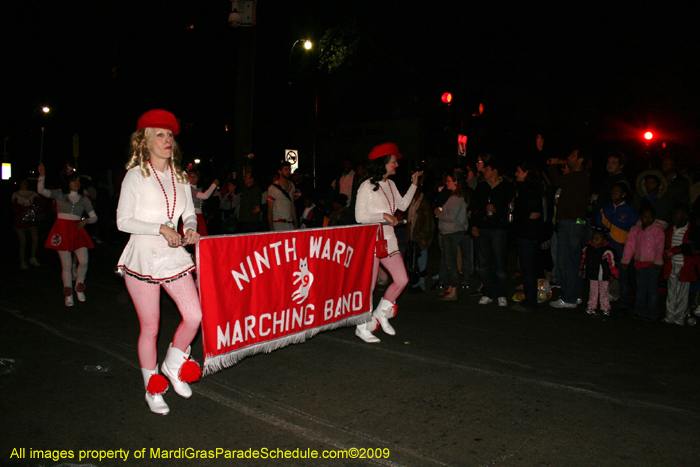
308 44
45 109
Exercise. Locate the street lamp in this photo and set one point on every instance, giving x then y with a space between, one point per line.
308 45
45 110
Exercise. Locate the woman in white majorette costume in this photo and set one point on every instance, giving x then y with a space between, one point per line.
378 199
155 194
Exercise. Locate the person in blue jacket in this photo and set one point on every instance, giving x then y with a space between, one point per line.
619 217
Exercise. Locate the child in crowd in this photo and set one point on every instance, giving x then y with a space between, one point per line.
681 269
619 217
645 244
598 267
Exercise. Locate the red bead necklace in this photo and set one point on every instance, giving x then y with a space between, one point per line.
169 223
392 203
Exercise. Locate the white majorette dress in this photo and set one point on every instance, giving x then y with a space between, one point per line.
371 206
144 205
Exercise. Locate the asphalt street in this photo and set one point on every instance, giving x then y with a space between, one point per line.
459 385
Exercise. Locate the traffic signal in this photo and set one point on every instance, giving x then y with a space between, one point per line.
462 145
648 136
447 98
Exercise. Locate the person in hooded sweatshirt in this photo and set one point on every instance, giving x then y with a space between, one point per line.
652 190
645 244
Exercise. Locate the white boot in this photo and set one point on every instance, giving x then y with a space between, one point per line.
383 311
80 291
364 332
155 401
68 293
171 367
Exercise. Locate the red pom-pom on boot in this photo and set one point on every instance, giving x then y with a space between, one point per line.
175 359
190 372
157 385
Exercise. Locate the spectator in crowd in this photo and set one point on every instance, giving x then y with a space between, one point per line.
27 206
472 178
421 229
230 202
453 225
652 190
554 246
528 219
681 265
598 267
614 164
345 183
645 245
249 212
619 217
312 216
490 207
341 214
678 187
440 196
281 214
571 214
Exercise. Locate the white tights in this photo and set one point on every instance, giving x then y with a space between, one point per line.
67 266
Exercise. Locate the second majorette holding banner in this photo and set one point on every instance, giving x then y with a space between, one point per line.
264 291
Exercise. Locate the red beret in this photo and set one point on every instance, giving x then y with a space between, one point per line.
386 149
157 118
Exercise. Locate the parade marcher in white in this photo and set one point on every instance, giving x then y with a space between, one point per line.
68 233
198 198
155 194
378 199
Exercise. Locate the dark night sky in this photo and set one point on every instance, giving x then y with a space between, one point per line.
592 69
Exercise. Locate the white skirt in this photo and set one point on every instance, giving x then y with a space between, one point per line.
149 258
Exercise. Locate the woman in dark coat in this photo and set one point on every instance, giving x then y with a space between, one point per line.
529 226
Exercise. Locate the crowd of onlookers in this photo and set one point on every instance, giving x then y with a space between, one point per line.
622 238
626 239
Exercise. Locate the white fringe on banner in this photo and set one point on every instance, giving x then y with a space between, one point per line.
215 363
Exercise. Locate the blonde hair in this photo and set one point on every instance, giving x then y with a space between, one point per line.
141 154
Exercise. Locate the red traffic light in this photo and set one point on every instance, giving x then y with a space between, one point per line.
447 98
648 136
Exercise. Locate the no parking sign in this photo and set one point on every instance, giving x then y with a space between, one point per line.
292 156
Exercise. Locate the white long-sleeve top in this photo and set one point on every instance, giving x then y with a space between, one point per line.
372 205
198 197
141 211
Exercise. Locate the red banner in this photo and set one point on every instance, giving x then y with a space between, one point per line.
261 292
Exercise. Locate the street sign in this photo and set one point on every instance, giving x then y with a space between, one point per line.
292 156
